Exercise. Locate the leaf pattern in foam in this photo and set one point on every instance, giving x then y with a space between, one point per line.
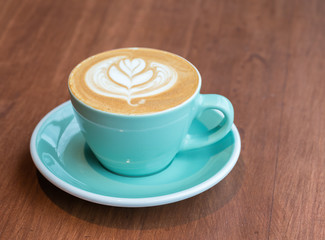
131 68
142 78
120 77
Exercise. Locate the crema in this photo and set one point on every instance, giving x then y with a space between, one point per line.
134 81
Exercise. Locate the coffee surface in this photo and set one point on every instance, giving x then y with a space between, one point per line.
134 81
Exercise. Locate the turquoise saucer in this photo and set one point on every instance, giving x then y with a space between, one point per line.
61 154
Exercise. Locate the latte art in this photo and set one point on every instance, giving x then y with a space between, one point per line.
134 81
128 79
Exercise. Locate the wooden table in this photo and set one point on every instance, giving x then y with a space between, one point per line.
267 57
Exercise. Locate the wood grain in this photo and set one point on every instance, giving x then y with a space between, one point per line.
267 57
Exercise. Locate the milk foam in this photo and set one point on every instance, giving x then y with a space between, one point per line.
134 81
128 79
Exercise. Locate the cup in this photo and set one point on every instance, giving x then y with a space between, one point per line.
144 144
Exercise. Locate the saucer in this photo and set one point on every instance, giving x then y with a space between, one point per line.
61 154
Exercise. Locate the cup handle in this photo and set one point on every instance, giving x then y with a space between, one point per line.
217 102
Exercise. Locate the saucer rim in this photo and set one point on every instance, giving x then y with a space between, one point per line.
131 202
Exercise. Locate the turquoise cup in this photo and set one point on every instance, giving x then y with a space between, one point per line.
138 145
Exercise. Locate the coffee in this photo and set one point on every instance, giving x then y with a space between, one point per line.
134 81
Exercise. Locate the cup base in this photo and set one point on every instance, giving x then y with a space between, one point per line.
134 171
132 174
